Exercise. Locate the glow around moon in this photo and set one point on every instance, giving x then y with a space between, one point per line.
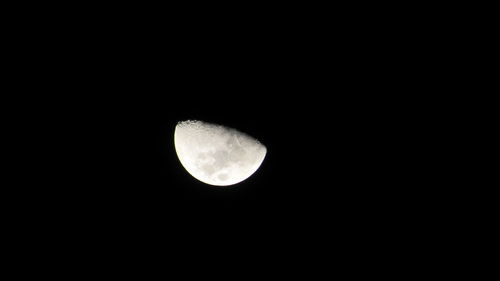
215 154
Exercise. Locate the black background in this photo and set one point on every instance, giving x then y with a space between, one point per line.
322 94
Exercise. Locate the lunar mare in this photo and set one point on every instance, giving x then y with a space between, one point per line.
215 154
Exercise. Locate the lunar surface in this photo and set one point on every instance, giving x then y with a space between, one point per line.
215 154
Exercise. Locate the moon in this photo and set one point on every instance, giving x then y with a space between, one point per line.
215 154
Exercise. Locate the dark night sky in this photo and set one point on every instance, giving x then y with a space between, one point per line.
326 107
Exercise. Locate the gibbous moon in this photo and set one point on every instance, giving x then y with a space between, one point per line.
215 154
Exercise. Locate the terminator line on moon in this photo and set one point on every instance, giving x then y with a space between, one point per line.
215 154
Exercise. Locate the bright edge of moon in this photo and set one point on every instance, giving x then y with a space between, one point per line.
215 154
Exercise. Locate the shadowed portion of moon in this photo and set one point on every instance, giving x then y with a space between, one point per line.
215 154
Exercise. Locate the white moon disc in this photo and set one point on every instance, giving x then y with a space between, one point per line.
215 154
